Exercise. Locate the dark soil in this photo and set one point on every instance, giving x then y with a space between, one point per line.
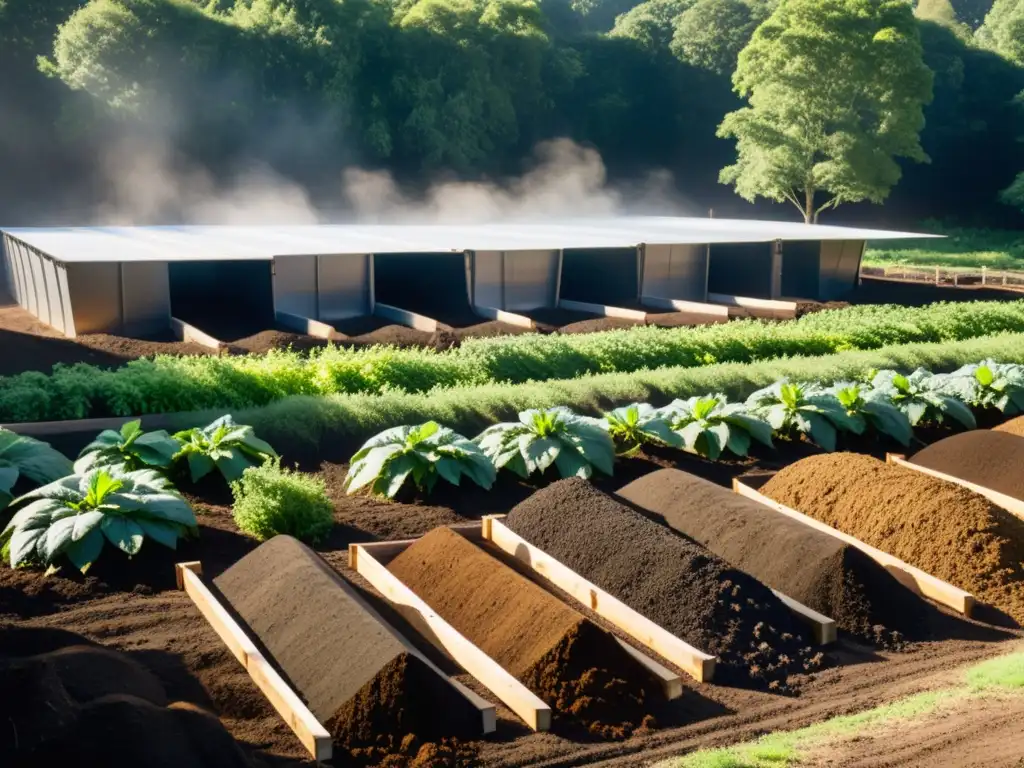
552 319
810 307
671 580
70 702
261 342
983 457
357 676
880 290
568 662
813 568
1012 427
131 349
938 526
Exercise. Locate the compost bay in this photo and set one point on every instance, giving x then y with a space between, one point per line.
671 580
940 527
816 569
987 458
570 663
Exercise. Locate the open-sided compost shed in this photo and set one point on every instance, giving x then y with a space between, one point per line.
134 280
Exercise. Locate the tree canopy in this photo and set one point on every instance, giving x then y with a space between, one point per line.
836 92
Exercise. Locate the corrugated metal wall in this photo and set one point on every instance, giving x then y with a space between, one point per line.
840 265
324 287
676 272
515 280
743 269
800 269
38 284
601 276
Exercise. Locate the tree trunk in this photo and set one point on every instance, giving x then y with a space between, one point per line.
810 215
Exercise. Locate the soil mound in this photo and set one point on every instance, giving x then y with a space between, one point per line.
569 662
85 705
1013 427
130 349
990 459
357 676
942 528
814 568
669 579
265 341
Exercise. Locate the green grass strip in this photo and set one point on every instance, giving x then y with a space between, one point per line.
309 422
966 248
1005 673
169 384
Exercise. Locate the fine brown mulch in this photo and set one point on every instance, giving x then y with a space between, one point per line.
991 459
68 701
671 580
815 569
1013 427
357 676
569 662
940 527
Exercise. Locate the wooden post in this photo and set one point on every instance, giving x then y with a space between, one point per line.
936 275
982 275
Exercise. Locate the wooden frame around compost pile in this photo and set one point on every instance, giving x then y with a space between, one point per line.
923 583
296 714
1014 506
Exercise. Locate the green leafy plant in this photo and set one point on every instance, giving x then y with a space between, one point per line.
988 385
130 448
75 516
709 425
541 438
921 398
633 426
28 457
270 500
792 408
424 453
231 448
872 408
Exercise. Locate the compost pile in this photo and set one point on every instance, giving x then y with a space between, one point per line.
359 679
68 701
1013 426
569 662
989 459
816 569
940 527
671 580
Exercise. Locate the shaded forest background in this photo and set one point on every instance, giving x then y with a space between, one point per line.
154 111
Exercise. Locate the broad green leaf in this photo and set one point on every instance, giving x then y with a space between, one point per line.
162 533
449 469
199 466
822 431
759 430
738 442
539 452
85 523
8 477
397 471
123 533
83 553
56 540
571 464
915 411
233 464
24 543
371 467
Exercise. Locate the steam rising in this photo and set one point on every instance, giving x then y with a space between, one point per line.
150 183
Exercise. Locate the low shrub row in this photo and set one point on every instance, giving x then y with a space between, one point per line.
168 384
318 428
885 404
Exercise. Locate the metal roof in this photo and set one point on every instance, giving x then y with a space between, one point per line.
203 243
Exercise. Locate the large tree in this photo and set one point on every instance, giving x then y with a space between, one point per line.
836 91
1003 30
711 33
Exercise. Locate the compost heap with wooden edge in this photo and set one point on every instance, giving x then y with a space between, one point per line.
1013 426
359 678
940 527
671 580
815 569
990 459
68 701
573 665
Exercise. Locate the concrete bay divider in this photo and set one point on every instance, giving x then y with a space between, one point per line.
405 317
766 308
604 310
917 580
306 325
490 313
709 313
189 333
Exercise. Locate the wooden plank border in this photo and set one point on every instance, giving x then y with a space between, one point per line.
699 665
405 317
185 332
1014 506
522 321
296 714
923 583
516 696
604 310
823 629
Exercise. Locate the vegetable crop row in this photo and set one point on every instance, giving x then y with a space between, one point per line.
170 384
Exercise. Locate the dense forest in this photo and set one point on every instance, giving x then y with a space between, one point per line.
149 111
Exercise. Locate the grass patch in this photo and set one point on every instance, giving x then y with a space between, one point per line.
967 248
777 750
